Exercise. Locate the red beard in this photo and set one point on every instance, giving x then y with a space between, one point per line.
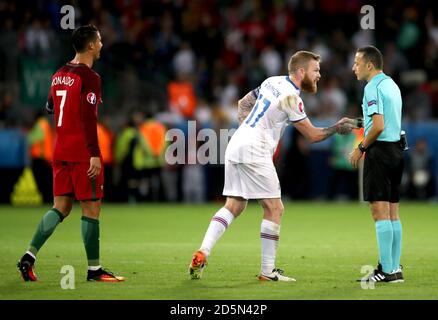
308 85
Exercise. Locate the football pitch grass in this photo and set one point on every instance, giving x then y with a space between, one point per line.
322 245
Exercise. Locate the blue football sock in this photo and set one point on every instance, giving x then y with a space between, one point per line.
396 243
384 240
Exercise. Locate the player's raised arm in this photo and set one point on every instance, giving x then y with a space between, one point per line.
245 105
315 134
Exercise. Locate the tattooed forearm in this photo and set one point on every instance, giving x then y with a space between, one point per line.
328 132
245 106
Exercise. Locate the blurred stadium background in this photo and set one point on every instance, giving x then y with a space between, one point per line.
166 62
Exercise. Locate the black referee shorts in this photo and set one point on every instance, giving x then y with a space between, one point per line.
383 169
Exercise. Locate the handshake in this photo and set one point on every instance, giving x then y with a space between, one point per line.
345 125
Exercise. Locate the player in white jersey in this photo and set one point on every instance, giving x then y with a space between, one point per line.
264 113
278 104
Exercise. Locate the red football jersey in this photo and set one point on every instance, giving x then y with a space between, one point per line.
74 96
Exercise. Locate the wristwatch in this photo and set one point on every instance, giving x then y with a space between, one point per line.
361 147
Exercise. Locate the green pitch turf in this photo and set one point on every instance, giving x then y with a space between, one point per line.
322 245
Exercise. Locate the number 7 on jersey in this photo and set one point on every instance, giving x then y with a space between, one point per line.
63 94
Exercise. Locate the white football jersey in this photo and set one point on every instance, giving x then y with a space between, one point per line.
278 104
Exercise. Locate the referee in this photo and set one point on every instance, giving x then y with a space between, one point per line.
383 166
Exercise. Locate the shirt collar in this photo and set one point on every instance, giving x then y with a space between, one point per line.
291 82
377 76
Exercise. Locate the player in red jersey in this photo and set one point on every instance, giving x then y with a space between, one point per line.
74 97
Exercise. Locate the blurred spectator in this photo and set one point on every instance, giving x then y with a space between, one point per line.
270 61
334 99
215 171
254 26
38 37
203 114
13 160
124 150
148 156
7 111
182 98
41 142
106 140
363 37
344 181
282 21
9 51
296 183
228 97
418 104
166 44
420 168
409 33
394 62
193 176
184 60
